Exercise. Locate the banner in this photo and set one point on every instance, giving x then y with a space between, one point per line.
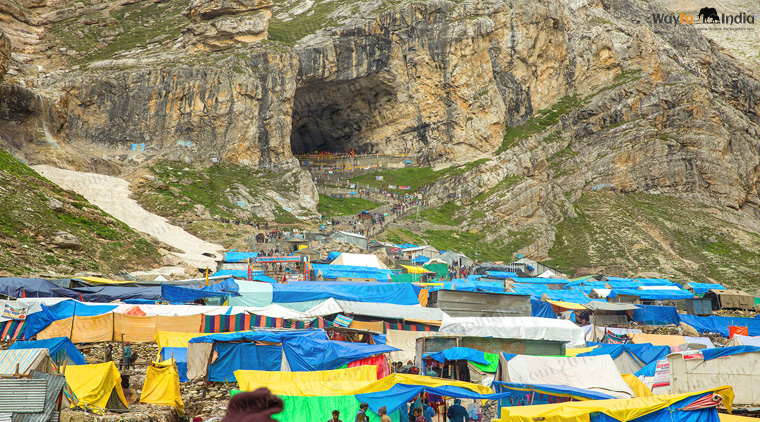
378 177
405 187
10 312
342 321
662 374
279 259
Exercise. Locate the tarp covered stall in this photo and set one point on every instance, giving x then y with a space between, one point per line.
702 288
61 349
629 358
234 356
541 309
720 324
359 260
161 386
413 313
656 315
596 373
737 366
394 293
24 361
671 408
730 299
179 354
314 354
252 293
528 328
457 303
97 385
538 394
251 380
406 343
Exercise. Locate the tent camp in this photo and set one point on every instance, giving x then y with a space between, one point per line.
97 385
162 386
689 407
23 361
359 260
738 366
60 348
596 373
629 358
740 340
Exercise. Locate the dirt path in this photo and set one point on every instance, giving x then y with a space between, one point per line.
112 195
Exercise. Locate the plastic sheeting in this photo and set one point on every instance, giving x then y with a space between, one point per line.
251 380
637 409
720 324
59 348
406 342
501 274
386 310
638 387
553 390
531 280
174 339
656 315
658 339
597 373
235 356
94 384
401 394
459 353
541 309
239 256
186 294
740 340
380 362
317 409
162 386
527 328
394 293
26 287
38 321
646 353
653 294
179 354
252 293
313 354
710 354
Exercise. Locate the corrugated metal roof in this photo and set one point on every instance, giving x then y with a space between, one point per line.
5 417
55 384
25 358
22 395
386 310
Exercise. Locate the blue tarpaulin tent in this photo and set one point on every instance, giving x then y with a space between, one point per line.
458 353
645 353
38 321
60 348
185 294
420 259
702 288
656 315
26 287
332 256
542 391
234 356
239 256
401 394
720 324
394 293
535 290
312 354
538 280
180 357
655 282
654 294
541 309
501 274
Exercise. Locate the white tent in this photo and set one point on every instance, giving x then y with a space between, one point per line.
359 260
596 373
527 328
689 371
740 340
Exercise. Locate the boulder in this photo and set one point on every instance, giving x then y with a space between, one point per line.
66 240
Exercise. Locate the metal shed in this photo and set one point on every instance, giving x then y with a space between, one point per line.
458 303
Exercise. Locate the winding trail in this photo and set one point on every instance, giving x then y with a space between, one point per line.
111 194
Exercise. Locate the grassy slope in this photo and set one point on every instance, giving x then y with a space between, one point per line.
27 225
332 207
414 177
627 234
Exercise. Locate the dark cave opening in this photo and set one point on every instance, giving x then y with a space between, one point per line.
336 117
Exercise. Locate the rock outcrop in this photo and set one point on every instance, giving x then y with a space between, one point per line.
5 55
220 24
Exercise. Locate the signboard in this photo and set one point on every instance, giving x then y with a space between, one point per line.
342 321
263 259
10 312
138 147
404 187
184 143
352 186
391 186
294 277
378 177
695 355
662 374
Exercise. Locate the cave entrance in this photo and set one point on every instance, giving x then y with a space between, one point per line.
338 117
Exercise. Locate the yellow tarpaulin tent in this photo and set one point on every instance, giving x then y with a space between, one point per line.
174 339
347 388
96 385
638 387
98 280
620 409
251 380
162 385
733 418
567 305
416 270
571 353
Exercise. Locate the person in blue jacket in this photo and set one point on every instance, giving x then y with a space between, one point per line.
457 412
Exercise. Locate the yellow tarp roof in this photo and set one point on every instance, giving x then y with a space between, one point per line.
347 388
416 270
638 387
620 409
724 417
98 280
575 352
567 305
251 380
174 339
162 385
94 384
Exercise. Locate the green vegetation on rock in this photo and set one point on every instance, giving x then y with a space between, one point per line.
335 207
540 121
414 177
446 214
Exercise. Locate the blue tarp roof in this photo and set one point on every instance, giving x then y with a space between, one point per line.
554 390
611 278
313 354
243 274
28 287
180 357
720 324
570 296
656 315
713 353
58 347
185 294
648 370
624 284
244 356
702 288
394 293
401 394
535 290
646 353
541 309
471 277
37 287
419 259
239 256
351 271
458 353
654 294
268 336
501 274
332 256
536 280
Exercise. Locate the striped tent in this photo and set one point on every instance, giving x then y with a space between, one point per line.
409 326
12 329
244 322
22 361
